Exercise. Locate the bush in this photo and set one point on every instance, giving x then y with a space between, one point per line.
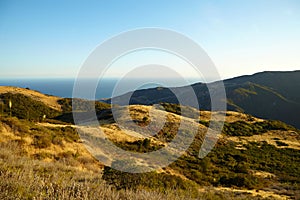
82 105
56 140
239 180
16 125
281 144
150 180
41 141
68 133
139 146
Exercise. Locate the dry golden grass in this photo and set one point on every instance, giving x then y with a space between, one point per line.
25 178
263 174
288 137
231 116
260 193
73 153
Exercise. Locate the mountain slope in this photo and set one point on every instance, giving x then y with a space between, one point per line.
269 95
250 156
285 83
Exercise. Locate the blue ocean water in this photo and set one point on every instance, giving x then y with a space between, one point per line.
63 87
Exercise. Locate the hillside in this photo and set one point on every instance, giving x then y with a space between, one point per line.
47 159
250 155
50 101
268 95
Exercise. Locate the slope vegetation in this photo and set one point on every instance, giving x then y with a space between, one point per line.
268 95
47 158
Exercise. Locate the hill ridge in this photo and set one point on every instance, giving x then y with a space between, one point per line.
277 93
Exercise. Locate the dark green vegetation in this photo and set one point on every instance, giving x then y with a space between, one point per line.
150 180
82 105
226 165
242 128
139 146
25 107
269 95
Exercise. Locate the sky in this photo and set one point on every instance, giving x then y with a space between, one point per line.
53 38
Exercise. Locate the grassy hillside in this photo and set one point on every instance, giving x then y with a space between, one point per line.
50 101
240 160
46 159
26 106
49 162
24 178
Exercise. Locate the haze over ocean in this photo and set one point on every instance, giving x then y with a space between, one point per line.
63 87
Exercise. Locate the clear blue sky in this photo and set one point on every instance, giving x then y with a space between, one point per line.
52 38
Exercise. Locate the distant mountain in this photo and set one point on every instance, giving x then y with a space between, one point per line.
269 95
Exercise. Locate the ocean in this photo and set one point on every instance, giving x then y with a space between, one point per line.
63 87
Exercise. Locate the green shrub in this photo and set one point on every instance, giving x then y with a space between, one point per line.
204 122
139 146
239 180
281 144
